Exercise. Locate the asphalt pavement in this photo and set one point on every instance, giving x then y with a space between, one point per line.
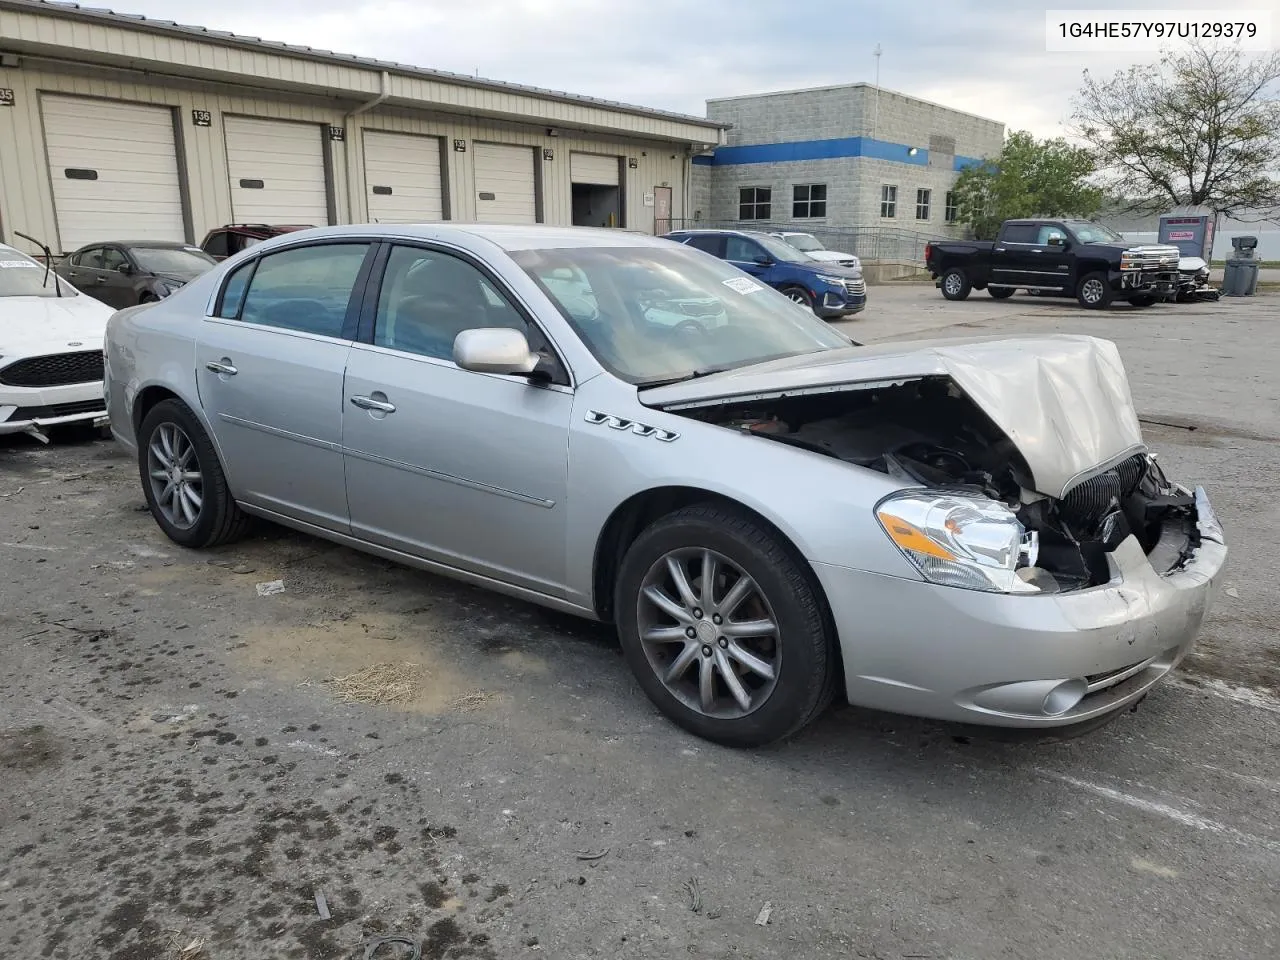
179 770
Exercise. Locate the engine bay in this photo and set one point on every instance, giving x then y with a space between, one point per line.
927 431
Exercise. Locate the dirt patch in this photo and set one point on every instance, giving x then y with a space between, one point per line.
28 748
381 658
1211 661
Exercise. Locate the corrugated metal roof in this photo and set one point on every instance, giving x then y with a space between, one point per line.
138 22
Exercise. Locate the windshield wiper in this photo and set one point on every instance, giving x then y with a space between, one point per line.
48 262
691 375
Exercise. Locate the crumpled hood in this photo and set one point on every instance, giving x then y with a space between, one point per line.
1191 264
35 325
1063 400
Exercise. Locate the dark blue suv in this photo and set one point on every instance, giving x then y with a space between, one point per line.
830 290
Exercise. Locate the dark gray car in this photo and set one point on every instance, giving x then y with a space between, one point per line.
125 274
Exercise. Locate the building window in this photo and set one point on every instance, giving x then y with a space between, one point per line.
952 213
888 201
923 198
809 200
754 203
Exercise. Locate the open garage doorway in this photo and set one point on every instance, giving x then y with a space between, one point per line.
597 194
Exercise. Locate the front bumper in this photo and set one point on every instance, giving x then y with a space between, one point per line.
32 409
832 305
1142 282
993 659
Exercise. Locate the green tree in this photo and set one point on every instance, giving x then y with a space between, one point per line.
1202 129
1030 178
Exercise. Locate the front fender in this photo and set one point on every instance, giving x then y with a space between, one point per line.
823 506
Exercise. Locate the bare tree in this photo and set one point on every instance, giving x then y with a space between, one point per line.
1200 129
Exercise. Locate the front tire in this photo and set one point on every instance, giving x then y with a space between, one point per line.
800 296
724 627
955 284
183 481
1094 291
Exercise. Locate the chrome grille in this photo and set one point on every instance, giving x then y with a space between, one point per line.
856 287
54 370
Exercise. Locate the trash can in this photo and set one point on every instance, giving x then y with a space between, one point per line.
1240 277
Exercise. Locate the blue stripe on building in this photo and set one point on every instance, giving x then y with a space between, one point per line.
825 150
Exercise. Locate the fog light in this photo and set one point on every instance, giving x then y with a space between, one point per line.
1064 696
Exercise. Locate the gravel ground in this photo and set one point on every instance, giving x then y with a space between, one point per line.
180 777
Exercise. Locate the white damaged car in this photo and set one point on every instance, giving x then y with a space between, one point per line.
50 350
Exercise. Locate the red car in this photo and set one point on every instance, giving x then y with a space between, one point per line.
223 242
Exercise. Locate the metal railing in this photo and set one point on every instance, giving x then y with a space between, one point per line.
866 243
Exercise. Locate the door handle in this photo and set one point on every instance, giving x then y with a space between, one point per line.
369 403
101 280
224 368
999 249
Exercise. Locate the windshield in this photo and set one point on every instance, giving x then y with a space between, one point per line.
185 262
1095 233
20 276
780 251
802 241
655 315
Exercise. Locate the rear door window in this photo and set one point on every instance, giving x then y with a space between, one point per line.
708 243
216 244
306 288
1020 233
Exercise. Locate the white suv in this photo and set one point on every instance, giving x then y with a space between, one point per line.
810 244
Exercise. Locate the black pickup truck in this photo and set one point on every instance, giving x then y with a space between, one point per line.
1074 258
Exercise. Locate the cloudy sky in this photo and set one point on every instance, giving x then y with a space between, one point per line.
984 56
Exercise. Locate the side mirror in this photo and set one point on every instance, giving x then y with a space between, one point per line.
764 261
1057 241
125 268
494 350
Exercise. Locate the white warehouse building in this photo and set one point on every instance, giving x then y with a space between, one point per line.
117 127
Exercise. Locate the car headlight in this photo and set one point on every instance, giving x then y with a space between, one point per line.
166 288
834 281
960 540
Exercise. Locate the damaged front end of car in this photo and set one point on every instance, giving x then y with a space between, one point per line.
971 513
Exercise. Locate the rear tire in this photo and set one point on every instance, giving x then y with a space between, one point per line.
183 481
772 586
1094 291
1001 293
955 284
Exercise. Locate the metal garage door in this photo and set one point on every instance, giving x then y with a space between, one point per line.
590 168
504 184
402 174
114 170
277 171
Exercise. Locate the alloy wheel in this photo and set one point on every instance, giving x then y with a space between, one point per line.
709 633
1092 292
797 298
953 283
174 471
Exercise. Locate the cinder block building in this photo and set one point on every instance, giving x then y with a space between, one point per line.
845 157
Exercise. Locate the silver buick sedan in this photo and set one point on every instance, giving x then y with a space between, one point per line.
631 430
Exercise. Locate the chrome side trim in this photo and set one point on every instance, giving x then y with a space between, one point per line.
284 434
449 478
1119 676
639 429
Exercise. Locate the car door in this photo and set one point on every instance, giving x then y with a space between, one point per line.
87 274
745 254
1052 256
117 288
269 366
1017 259
462 468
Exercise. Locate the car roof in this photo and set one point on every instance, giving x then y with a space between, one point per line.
162 244
5 248
509 237
725 233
